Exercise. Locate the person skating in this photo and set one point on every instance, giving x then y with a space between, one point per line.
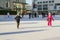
49 19
17 18
8 14
29 15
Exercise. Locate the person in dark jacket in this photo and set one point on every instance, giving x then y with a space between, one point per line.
29 15
17 18
43 15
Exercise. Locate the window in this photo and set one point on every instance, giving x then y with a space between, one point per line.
34 6
55 7
40 2
45 6
43 1
46 1
39 8
49 1
7 4
52 1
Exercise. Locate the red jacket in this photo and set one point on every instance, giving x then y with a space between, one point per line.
49 18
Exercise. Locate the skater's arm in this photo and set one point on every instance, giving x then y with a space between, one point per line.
20 16
47 19
15 17
52 18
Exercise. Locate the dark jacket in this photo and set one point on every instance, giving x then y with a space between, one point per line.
17 18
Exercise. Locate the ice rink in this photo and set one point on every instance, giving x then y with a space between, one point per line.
30 29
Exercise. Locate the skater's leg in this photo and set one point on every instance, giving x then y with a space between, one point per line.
48 23
17 24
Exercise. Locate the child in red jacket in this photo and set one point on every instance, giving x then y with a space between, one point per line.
49 19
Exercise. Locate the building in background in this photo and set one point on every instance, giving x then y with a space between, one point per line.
46 6
28 8
14 5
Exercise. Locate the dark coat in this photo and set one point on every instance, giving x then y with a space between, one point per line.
17 18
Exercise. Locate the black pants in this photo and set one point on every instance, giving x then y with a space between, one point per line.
18 22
